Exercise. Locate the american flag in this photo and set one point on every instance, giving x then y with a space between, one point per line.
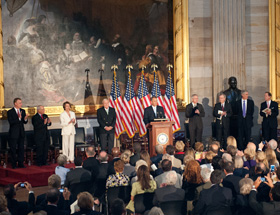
128 116
156 91
143 101
117 103
170 104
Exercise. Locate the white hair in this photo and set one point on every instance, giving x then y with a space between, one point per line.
227 157
272 144
105 100
39 107
205 173
171 178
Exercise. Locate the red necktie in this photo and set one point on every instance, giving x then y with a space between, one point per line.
18 114
42 117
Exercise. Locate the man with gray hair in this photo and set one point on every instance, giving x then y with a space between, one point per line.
245 112
205 174
168 191
106 117
222 112
40 122
195 112
91 163
156 159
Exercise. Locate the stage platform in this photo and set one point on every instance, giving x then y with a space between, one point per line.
35 175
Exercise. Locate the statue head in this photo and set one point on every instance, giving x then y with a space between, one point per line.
232 82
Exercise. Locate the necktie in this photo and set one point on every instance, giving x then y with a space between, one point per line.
222 107
18 113
244 109
42 116
267 103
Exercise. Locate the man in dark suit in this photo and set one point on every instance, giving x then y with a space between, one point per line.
222 111
195 112
40 122
16 118
231 181
52 197
169 192
106 117
134 158
269 112
78 177
153 112
215 199
245 112
91 163
266 208
16 207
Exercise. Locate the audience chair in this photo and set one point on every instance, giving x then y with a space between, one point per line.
55 142
143 202
121 192
174 207
80 140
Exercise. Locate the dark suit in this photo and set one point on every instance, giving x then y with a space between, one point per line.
168 193
41 137
150 115
269 123
232 182
195 122
21 208
105 119
215 198
244 123
16 136
263 208
53 210
222 126
134 158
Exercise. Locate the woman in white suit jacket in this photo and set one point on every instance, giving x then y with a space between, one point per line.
68 121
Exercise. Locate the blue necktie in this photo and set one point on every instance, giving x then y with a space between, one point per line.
244 109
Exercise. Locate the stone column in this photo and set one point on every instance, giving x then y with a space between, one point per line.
181 50
228 44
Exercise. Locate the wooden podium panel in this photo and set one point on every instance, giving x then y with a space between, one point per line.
160 133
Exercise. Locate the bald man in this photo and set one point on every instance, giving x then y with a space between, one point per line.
106 117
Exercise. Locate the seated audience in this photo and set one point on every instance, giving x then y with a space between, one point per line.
180 146
128 169
239 170
191 180
167 167
231 141
118 207
208 161
231 181
60 170
261 158
78 177
155 211
144 155
249 154
4 206
91 162
262 207
160 171
17 207
144 184
85 203
271 158
232 150
52 197
242 206
216 163
186 160
168 191
170 149
136 156
138 164
159 151
117 179
115 153
199 147
54 181
191 152
216 199
205 174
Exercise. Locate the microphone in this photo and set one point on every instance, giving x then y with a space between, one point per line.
157 115
160 115
87 70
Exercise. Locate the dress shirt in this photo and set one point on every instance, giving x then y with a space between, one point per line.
155 109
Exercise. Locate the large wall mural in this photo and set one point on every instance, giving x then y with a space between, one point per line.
48 45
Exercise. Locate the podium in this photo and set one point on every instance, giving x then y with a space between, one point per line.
160 132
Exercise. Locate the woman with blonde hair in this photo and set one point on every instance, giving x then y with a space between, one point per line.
249 154
261 158
239 169
271 157
180 146
191 152
144 155
231 141
128 169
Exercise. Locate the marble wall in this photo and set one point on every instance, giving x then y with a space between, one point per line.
201 55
